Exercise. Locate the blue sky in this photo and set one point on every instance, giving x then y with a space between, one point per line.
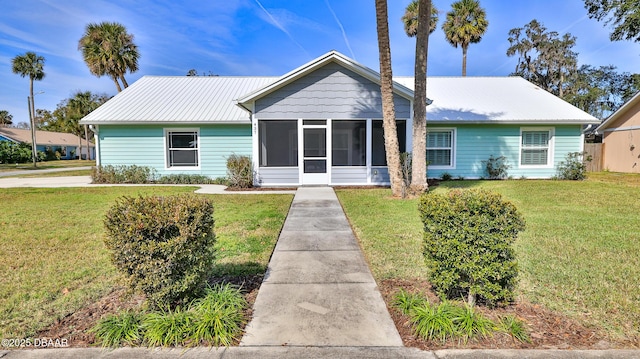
265 37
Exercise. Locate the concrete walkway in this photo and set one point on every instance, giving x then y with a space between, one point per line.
318 290
85 181
318 300
312 353
45 170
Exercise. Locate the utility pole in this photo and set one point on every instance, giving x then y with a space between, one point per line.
34 149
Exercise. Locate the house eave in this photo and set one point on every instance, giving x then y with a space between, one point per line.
167 122
614 116
511 122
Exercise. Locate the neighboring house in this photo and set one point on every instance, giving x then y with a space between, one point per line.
66 144
322 124
621 138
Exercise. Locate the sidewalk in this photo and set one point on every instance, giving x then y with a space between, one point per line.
318 290
46 170
85 181
312 352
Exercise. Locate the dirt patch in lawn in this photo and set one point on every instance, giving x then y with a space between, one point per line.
76 327
548 330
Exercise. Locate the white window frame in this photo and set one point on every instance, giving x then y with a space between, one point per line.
167 165
550 147
452 148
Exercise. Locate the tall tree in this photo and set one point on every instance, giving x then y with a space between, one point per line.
388 109
410 19
68 113
420 20
109 50
465 24
601 90
6 119
80 105
623 14
30 65
544 57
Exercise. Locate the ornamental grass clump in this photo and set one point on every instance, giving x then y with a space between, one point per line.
119 329
468 237
215 319
163 246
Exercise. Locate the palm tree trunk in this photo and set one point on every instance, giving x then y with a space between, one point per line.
115 79
419 150
386 90
124 82
464 59
32 119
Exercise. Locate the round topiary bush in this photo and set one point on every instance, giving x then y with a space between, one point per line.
163 246
468 237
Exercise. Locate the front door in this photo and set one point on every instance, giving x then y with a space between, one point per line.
314 160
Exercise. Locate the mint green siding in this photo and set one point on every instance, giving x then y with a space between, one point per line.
144 145
476 143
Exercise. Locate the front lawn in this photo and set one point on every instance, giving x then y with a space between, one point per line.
579 255
54 261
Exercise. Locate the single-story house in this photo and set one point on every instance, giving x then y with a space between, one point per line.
621 138
67 144
322 124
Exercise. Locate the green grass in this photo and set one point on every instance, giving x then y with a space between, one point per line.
54 260
579 254
46 165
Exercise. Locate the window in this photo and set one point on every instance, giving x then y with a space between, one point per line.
349 143
535 147
440 148
278 143
182 148
378 153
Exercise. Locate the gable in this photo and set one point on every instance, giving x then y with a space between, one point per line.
629 117
330 91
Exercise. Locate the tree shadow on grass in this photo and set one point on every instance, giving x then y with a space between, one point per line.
248 275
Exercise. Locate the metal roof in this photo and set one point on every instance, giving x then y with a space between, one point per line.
197 99
496 99
175 100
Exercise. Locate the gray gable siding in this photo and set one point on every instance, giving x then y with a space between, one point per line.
331 91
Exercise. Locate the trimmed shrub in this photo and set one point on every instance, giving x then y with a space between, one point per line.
163 246
123 174
181 178
239 171
468 236
496 167
573 167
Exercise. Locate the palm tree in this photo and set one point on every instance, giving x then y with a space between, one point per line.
6 118
78 106
465 24
109 50
386 90
419 24
30 65
410 19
